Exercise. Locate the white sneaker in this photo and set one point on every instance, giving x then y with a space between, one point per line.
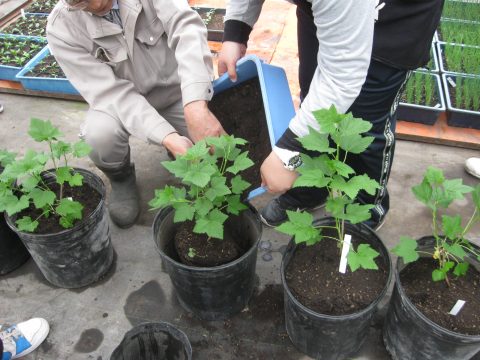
21 339
472 166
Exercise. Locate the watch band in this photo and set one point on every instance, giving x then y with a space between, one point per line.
291 159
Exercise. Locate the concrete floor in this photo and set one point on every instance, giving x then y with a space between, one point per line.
88 323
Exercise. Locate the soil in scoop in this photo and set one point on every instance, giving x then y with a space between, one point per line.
435 299
241 112
85 195
209 252
313 278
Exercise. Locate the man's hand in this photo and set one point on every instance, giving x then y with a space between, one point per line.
201 122
275 177
177 144
227 59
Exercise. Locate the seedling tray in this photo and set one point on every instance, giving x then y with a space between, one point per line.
8 72
455 116
277 99
423 114
51 85
447 68
213 34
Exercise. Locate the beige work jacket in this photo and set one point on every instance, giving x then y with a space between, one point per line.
160 56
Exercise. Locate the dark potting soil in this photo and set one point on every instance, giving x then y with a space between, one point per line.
48 67
422 101
85 194
435 299
313 278
241 113
30 25
453 98
208 252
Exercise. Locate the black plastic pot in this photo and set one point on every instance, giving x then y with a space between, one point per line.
327 337
211 293
153 341
12 251
410 335
74 257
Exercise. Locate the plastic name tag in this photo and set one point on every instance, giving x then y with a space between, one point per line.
345 249
457 307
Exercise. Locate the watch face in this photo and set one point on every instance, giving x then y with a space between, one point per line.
294 162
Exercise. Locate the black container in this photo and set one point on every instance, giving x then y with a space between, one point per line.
410 335
327 337
211 293
74 257
12 251
153 341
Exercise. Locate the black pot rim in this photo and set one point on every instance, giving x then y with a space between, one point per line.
180 265
431 323
338 317
79 225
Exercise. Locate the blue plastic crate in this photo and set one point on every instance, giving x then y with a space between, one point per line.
52 85
277 98
9 72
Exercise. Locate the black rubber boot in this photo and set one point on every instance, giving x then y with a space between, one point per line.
123 201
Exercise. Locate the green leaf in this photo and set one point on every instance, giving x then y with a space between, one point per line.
456 250
357 213
69 209
30 183
328 119
364 258
241 162
406 249
63 174
178 167
199 174
341 168
315 141
311 178
452 226
197 151
167 196
203 206
217 189
365 183
423 192
239 185
60 149
321 163
26 224
81 149
212 224
454 189
434 176
183 211
235 205
42 198
355 144
76 180
461 269
438 275
476 196
299 224
336 206
13 205
41 130
6 157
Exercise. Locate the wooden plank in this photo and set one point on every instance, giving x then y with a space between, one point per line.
12 87
10 8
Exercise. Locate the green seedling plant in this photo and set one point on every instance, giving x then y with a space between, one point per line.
462 59
420 89
22 184
17 52
30 25
42 6
329 170
207 195
466 92
451 246
460 10
459 32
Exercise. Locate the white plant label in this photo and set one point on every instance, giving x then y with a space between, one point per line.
451 82
457 307
70 198
23 13
347 240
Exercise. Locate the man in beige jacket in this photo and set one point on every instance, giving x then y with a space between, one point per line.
145 69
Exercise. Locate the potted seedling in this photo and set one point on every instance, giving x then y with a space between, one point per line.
12 251
335 270
28 25
59 213
43 73
42 6
461 10
463 100
15 52
213 20
459 59
422 100
207 237
459 32
435 307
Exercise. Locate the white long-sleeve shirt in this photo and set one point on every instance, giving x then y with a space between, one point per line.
345 35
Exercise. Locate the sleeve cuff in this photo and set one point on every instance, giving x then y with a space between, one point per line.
197 91
236 31
289 141
158 133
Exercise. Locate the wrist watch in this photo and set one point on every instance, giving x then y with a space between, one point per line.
291 159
